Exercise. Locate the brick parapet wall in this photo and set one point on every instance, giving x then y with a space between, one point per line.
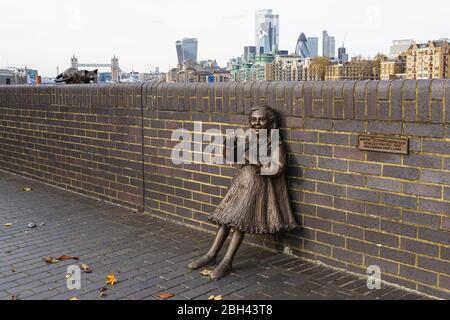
85 138
356 208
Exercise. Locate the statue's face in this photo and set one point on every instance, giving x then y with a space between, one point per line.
92 75
259 120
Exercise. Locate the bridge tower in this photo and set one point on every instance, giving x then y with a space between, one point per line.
74 62
115 69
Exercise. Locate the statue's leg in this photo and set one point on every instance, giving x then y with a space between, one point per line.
210 257
224 268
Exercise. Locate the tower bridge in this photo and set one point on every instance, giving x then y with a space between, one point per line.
114 65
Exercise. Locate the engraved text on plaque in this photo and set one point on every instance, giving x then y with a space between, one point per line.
384 144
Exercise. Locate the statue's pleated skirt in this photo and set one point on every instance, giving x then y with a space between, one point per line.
255 204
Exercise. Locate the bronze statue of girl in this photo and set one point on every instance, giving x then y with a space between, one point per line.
257 201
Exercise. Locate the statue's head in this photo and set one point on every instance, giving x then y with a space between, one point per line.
263 117
91 75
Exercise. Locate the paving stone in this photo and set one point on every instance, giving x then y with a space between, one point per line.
147 255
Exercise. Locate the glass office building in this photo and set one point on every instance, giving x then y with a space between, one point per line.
179 47
187 49
302 49
328 45
190 48
249 53
313 46
267 32
342 54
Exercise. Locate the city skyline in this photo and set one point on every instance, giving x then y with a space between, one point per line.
145 38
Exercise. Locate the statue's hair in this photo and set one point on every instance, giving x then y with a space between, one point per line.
272 115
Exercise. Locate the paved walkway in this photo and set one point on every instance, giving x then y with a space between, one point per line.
147 255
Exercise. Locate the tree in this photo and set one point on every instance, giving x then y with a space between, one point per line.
379 57
318 68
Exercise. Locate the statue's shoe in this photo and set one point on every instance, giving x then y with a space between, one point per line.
202 262
222 270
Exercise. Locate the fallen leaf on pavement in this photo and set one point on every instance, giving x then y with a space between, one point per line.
50 260
85 268
206 273
111 279
8 224
65 258
215 298
165 295
26 189
74 298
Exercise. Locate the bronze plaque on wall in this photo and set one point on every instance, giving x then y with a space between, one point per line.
384 144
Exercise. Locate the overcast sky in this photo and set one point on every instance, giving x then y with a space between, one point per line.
43 34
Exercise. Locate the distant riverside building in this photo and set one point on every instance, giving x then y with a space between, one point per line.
393 69
153 75
328 45
428 60
286 68
264 58
193 71
267 32
313 45
398 47
342 54
260 70
10 76
302 49
7 77
187 49
354 70
272 68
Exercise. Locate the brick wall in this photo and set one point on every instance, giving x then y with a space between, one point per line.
356 208
85 138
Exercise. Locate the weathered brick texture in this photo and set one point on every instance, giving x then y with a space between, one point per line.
85 138
356 208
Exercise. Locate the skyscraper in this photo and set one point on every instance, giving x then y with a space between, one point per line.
328 45
267 31
187 49
342 54
302 49
249 53
179 47
313 45
332 48
325 43
190 48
